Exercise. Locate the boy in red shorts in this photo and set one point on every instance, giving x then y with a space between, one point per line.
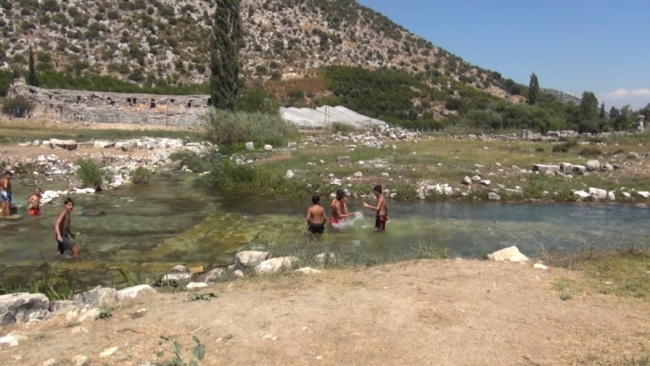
34 202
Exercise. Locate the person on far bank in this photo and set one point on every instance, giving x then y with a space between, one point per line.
63 232
34 202
316 217
381 209
5 193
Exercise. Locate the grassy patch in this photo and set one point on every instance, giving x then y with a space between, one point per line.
90 173
622 273
191 160
140 175
226 128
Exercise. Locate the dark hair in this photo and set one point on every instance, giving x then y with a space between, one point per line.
315 199
377 189
68 200
340 194
9 173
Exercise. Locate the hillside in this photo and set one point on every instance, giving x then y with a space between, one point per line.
155 40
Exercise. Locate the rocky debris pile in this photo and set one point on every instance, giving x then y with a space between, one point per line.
550 136
376 138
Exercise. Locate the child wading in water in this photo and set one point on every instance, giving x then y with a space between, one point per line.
5 193
63 232
381 209
316 217
34 202
339 210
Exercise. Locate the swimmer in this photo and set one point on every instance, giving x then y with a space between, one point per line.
316 217
381 209
63 232
339 209
5 193
34 202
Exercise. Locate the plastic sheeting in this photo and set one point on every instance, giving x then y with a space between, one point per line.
321 117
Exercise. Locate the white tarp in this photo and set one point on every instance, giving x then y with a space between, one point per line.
326 115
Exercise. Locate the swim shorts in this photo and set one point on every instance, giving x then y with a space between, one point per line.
317 228
35 211
380 222
64 244
6 197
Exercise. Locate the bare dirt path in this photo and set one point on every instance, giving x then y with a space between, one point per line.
411 313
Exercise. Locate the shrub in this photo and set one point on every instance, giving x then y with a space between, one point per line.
229 128
140 175
90 173
17 107
591 151
565 146
191 160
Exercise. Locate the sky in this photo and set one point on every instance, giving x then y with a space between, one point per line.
571 45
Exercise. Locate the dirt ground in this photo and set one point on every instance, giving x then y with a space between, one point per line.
435 312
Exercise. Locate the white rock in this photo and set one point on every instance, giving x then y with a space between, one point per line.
250 258
510 254
476 179
592 165
598 193
486 182
268 147
357 174
492 196
214 274
238 274
108 352
289 174
12 339
194 285
307 270
611 195
79 360
644 194
133 292
540 266
23 307
250 146
274 265
87 314
580 195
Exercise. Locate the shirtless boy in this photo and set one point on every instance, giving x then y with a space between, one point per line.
34 202
339 208
5 193
62 230
316 217
381 208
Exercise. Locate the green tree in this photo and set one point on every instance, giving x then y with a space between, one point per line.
225 43
31 76
602 114
533 89
614 113
589 106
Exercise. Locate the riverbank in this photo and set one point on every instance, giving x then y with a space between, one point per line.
443 312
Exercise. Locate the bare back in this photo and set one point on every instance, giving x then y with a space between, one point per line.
316 215
63 223
383 208
6 185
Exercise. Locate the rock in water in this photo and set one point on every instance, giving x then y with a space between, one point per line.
93 213
511 254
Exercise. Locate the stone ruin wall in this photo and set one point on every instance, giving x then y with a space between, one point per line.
109 107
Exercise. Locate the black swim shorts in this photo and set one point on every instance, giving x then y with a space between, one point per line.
317 228
64 244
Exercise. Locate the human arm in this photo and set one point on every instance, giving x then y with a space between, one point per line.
308 216
57 226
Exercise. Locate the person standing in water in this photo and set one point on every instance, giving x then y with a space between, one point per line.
339 209
63 232
5 193
34 202
316 217
381 209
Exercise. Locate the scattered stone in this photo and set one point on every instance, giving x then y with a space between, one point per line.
133 292
23 307
63 304
268 147
542 168
250 146
176 275
514 192
80 360
510 254
322 258
215 274
343 160
97 296
540 266
593 165
50 362
492 196
12 339
108 352
644 194
476 179
238 274
581 195
307 270
195 285
289 174
579 169
467 181
597 193
357 174
274 265
486 182
250 258
611 195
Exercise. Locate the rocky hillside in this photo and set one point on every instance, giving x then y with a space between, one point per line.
142 40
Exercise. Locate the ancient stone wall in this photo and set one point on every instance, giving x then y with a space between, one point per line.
108 107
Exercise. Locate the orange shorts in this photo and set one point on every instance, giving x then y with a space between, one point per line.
35 211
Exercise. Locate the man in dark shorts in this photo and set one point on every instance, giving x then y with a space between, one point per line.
381 208
316 217
62 230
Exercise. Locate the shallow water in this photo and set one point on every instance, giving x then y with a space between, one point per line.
173 220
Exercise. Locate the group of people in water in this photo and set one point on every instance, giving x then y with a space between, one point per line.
317 218
62 230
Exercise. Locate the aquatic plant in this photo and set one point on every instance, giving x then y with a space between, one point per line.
140 175
228 128
90 173
47 281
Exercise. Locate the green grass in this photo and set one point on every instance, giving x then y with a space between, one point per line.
192 160
140 175
621 273
90 173
45 280
227 128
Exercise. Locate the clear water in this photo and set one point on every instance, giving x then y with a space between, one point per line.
174 220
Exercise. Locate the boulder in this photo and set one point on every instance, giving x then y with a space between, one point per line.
177 274
486 182
611 195
566 168
196 285
215 274
307 270
250 258
593 165
274 265
357 174
103 144
492 196
268 147
133 292
97 296
63 144
63 304
343 160
511 254
23 307
597 193
289 174
543 168
250 146
476 179
467 181
579 169
581 195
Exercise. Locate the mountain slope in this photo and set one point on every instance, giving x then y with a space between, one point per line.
153 40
